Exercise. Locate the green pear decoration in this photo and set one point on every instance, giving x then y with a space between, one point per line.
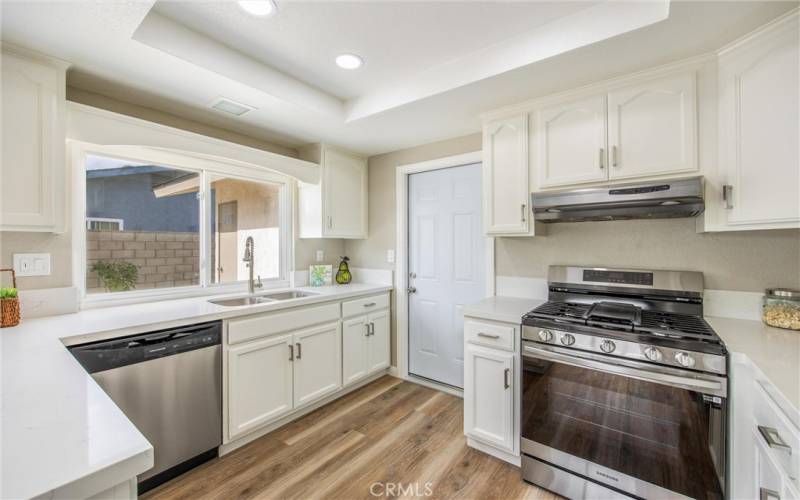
343 275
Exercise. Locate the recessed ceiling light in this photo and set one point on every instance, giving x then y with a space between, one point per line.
258 7
349 61
231 107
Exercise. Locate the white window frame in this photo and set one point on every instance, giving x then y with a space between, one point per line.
121 222
78 151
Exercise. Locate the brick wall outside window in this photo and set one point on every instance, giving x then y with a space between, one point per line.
163 259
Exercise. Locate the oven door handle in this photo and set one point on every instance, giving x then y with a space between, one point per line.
703 385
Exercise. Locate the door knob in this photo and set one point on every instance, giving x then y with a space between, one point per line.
411 289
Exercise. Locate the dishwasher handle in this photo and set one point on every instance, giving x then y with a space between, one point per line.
108 354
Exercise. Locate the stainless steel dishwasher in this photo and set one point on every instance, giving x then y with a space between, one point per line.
169 384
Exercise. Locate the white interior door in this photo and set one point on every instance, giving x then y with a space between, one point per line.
446 249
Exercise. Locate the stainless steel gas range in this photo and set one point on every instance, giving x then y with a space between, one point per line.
624 387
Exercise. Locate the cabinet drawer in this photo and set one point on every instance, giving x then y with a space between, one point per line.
364 305
252 327
776 432
497 335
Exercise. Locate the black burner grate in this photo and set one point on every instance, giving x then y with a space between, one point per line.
676 324
562 311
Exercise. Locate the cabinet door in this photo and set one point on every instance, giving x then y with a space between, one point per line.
317 363
571 142
652 128
489 396
505 176
355 349
259 383
379 341
344 195
33 145
759 127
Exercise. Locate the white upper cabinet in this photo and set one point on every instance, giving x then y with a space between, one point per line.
759 129
652 128
33 138
505 177
336 207
571 145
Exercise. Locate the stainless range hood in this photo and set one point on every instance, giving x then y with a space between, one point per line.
650 200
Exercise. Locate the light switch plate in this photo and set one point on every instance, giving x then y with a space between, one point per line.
390 256
32 264
320 255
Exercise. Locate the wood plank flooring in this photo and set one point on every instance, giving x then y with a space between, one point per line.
365 445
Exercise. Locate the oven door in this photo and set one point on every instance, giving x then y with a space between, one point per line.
645 430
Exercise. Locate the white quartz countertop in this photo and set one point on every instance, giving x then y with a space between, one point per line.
498 308
60 431
775 351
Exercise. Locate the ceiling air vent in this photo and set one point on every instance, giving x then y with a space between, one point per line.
231 107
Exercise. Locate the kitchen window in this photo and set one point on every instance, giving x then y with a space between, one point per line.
178 227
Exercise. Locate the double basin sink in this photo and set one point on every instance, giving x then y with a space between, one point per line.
262 299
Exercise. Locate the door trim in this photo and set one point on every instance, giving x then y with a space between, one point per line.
402 173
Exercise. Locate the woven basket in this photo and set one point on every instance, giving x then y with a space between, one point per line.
9 308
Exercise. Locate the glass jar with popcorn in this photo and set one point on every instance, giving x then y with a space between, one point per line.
782 308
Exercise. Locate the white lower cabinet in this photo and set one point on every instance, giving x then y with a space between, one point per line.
765 438
259 383
489 396
317 363
365 341
282 362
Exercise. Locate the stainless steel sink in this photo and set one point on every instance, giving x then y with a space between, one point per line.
263 298
287 295
242 301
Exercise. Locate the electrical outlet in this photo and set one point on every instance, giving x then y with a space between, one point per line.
320 255
390 256
32 264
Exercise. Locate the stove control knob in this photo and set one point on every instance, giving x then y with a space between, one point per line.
653 354
607 346
684 359
567 339
545 335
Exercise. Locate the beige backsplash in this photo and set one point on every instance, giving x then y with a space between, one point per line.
744 260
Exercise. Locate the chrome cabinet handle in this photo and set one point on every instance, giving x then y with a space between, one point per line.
372 328
614 162
370 304
727 196
367 326
767 494
299 350
291 352
506 383
523 212
773 439
602 158
488 335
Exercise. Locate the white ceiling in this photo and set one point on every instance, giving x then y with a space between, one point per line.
431 67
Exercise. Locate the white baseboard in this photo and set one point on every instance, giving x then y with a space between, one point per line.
48 302
515 460
525 288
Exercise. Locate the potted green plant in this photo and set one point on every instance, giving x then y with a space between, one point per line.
9 302
117 276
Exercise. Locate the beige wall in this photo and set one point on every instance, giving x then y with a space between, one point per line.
743 260
60 246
